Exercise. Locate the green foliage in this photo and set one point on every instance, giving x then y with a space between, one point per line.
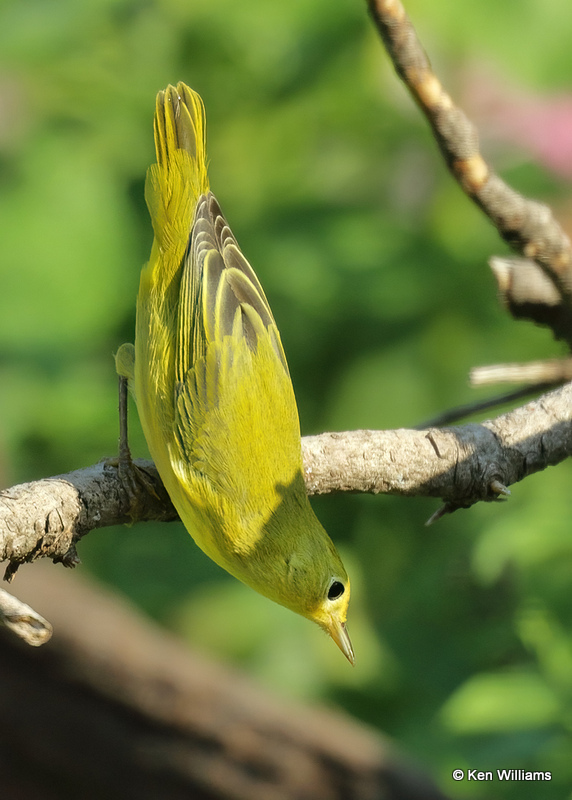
375 267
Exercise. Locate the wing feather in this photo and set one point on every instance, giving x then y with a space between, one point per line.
216 282
224 322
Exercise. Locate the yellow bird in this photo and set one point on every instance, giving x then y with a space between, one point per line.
213 390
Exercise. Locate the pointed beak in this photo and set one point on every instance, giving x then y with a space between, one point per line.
339 634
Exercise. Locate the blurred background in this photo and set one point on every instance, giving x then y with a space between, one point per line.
375 267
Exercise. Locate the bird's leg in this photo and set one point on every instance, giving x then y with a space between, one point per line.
132 478
124 461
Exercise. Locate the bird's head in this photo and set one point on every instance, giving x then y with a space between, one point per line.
291 559
305 573
330 614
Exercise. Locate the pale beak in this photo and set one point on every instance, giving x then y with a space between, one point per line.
339 634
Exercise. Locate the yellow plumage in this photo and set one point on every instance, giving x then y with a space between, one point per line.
213 390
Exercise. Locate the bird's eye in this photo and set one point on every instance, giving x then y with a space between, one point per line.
336 590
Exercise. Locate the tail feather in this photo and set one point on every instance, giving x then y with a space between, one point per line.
180 125
175 183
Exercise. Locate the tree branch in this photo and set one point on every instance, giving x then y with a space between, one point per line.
453 415
46 518
457 464
526 225
528 293
23 620
535 373
461 465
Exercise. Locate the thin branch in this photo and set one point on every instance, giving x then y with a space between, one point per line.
528 227
528 293
23 620
536 373
478 406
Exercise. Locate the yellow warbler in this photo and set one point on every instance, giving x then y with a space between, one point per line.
213 390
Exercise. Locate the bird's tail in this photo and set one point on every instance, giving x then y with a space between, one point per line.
180 125
179 178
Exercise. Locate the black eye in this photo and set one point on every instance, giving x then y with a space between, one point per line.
336 590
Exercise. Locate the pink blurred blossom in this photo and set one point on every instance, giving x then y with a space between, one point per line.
540 125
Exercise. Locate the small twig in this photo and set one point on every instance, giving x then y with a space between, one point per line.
538 374
462 412
23 620
499 488
528 293
439 514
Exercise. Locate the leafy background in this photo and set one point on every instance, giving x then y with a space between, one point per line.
375 266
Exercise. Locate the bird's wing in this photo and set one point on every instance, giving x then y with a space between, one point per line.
235 412
219 293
